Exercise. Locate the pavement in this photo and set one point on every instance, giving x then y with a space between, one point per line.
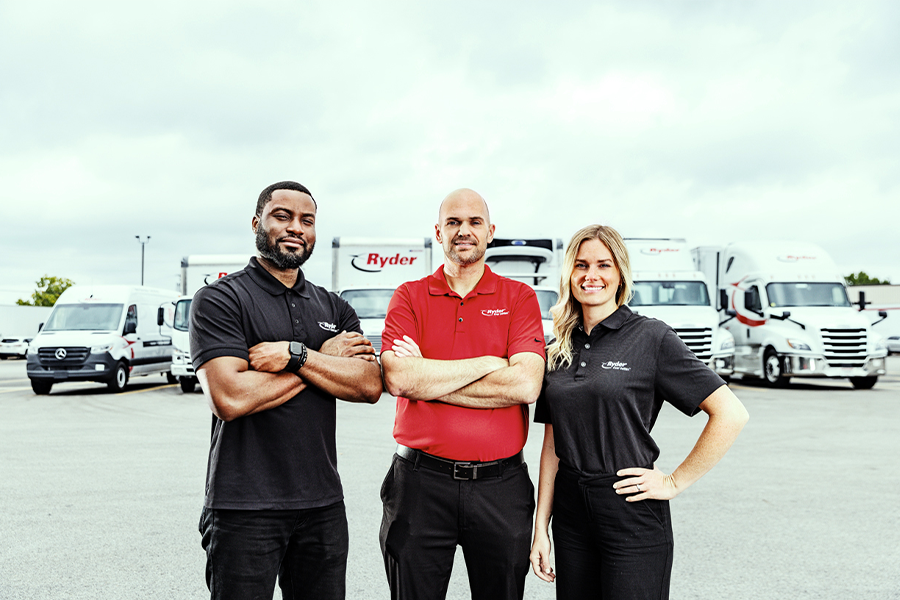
101 493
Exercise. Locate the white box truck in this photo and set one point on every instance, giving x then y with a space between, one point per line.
537 262
793 317
103 333
197 271
365 271
668 287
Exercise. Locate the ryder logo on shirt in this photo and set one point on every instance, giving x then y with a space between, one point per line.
494 312
617 366
328 326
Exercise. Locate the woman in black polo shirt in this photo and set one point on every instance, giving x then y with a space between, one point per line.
608 372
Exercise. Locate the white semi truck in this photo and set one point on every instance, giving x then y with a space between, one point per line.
668 287
792 314
197 271
537 262
365 271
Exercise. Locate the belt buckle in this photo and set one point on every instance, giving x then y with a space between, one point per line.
464 465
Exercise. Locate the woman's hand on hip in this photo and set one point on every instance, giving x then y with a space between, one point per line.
645 484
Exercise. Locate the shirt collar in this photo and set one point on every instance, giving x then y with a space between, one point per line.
438 286
267 281
613 321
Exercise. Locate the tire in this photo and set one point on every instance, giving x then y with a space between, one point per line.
863 383
171 379
119 379
41 387
187 384
772 370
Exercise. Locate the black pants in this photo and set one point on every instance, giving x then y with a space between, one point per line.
607 548
427 514
246 549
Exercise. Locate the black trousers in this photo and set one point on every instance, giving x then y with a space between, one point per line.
607 548
246 549
427 514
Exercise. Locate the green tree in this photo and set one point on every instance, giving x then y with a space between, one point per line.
862 278
48 290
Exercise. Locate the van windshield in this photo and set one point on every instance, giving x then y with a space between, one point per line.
369 304
84 317
546 298
182 314
669 293
807 294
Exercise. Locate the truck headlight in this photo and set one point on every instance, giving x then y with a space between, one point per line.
101 349
728 344
880 346
798 345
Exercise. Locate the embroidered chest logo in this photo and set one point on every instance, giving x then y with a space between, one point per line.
494 312
617 366
328 326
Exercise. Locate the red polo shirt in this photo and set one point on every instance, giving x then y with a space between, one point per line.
500 317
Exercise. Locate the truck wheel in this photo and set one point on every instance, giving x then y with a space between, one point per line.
772 370
863 383
187 384
41 386
119 379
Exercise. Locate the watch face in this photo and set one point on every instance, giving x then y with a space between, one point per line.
296 348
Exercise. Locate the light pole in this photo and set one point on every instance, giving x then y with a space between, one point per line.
142 255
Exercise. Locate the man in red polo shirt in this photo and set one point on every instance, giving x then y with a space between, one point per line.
463 351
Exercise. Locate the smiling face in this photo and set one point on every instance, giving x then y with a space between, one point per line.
464 228
286 229
595 280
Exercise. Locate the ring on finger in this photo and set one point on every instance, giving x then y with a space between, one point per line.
638 486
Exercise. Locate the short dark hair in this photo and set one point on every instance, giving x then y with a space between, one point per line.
266 194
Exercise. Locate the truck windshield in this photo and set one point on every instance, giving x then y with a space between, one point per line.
182 314
546 298
84 317
669 293
807 294
369 304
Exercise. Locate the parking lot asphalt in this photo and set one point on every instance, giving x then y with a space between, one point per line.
101 493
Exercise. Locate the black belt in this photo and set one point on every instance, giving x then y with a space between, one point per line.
463 470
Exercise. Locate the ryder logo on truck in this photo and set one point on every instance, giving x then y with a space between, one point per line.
658 251
372 262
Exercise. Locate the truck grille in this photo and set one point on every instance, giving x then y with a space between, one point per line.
698 339
74 355
376 342
844 347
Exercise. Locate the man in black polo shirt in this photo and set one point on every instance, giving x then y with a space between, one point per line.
273 352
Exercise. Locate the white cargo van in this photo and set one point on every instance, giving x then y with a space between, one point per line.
793 317
104 333
537 262
366 271
197 271
668 287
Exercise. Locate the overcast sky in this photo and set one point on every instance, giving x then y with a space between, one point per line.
737 121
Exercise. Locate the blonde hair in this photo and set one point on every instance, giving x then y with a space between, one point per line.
567 312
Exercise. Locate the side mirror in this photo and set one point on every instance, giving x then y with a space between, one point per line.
723 300
862 300
785 314
160 316
882 314
730 312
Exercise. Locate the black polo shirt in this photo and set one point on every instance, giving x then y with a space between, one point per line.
603 406
284 457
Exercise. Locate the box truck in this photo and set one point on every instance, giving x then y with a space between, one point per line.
792 316
668 287
365 271
537 262
197 271
103 333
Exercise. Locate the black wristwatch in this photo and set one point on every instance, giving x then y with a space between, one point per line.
298 356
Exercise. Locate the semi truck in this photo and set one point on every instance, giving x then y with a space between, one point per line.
197 270
365 271
102 333
668 287
791 313
537 262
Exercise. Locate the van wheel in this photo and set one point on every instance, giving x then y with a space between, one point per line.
187 384
863 383
41 387
119 379
772 370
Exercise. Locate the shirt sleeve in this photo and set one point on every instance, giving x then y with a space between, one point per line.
681 378
400 319
526 332
348 319
216 328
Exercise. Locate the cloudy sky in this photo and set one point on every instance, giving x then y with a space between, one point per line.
716 122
